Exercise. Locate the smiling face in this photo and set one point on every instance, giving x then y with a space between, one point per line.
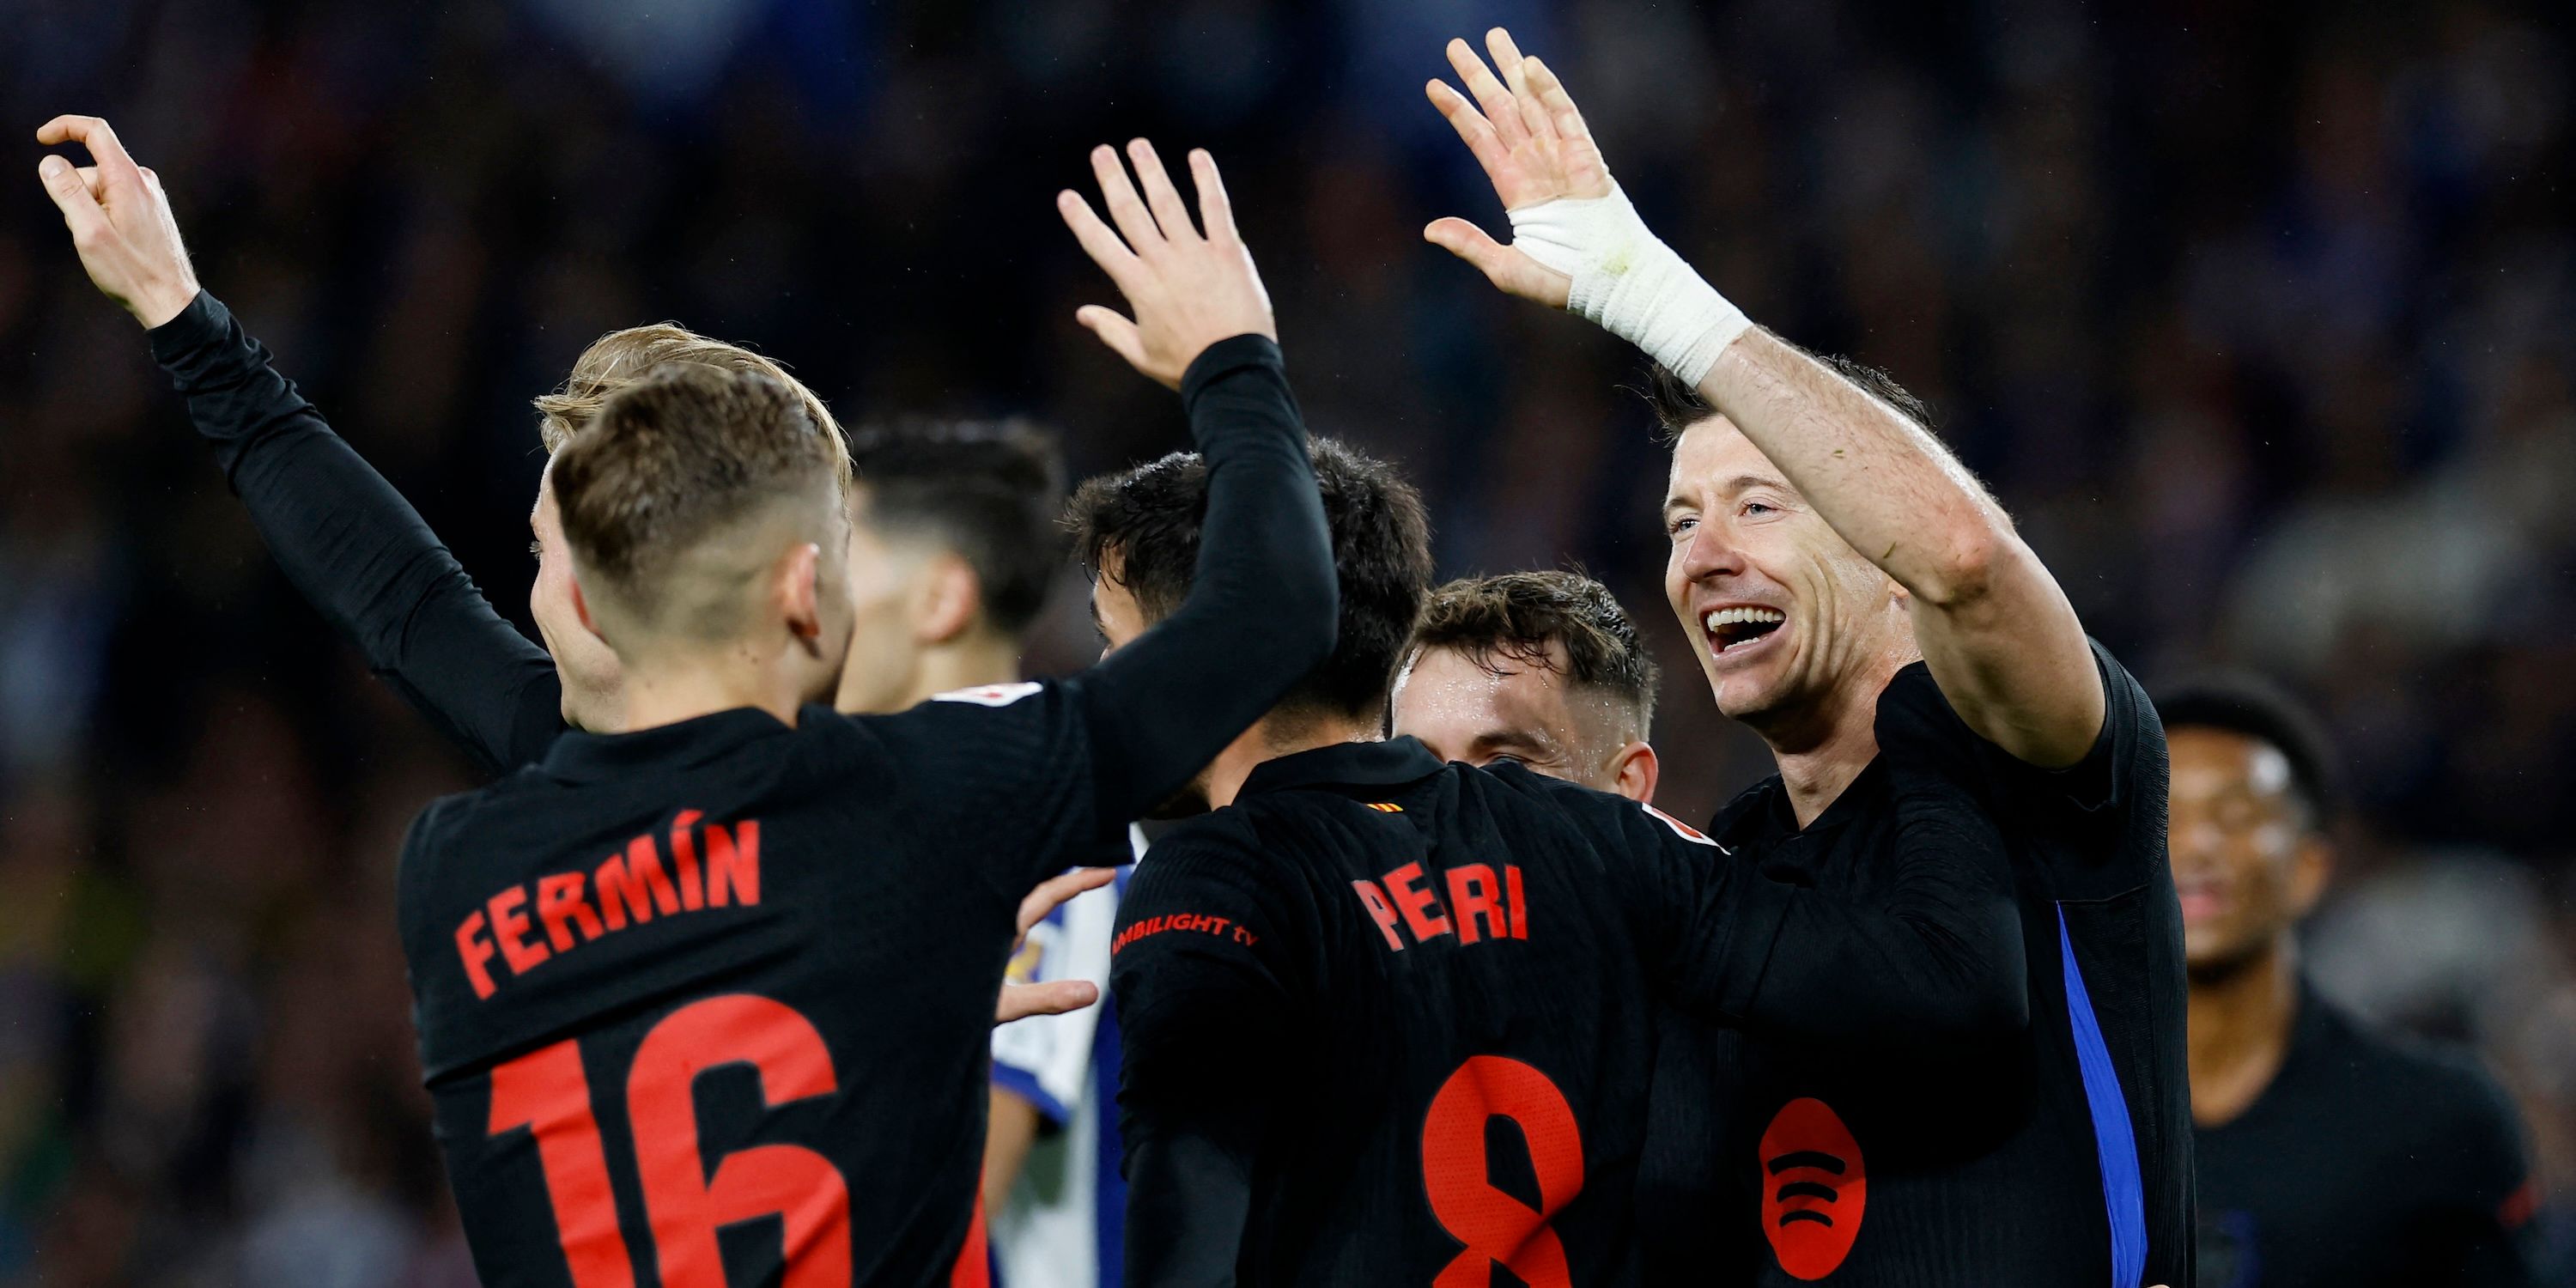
2246 862
1785 613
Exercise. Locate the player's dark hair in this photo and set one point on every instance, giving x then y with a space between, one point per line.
1678 406
1148 518
678 454
1515 617
988 490
2241 703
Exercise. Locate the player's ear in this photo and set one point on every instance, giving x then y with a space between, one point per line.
796 587
581 610
2310 866
945 599
1633 771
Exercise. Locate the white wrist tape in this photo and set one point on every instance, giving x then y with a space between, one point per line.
1629 281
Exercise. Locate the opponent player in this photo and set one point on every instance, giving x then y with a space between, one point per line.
2329 1154
1543 669
1330 985
1823 541
705 520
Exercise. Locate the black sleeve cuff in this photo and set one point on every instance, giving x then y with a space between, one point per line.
205 321
1225 357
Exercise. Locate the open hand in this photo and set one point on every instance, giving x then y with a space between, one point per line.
120 221
1188 290
1055 997
1524 130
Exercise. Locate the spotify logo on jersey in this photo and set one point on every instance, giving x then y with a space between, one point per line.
1814 1188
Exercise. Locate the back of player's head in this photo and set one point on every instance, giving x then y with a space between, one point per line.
991 492
620 358
2253 707
1145 522
684 489
1528 619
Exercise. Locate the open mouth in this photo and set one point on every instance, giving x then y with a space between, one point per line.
1732 629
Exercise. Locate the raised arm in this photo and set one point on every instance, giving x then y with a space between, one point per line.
346 539
1262 604
1998 631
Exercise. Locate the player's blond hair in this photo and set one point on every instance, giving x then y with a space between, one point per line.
620 358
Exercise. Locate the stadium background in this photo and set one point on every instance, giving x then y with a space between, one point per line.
2260 318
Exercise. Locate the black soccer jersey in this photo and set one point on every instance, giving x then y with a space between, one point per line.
1391 1022
709 1003
2370 1162
713 998
2060 1155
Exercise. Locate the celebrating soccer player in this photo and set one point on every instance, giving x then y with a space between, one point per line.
1331 984
2328 1153
1825 548
1543 669
944 608
811 910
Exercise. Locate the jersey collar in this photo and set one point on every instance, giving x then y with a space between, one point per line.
1346 764
582 756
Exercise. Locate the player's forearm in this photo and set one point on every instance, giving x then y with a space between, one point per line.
1010 1127
1261 609
1937 958
1187 1204
354 547
2001 638
1879 479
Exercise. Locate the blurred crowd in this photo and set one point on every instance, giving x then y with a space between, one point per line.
2261 318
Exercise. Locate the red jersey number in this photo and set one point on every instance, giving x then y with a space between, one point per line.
1498 1228
546 1092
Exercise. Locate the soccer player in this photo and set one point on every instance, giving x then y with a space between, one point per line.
2329 1153
361 555
822 939
964 518
1543 669
1332 983
1825 548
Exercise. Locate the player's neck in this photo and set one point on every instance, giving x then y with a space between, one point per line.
2240 1023
1272 739
970 661
668 694
1822 746
1817 765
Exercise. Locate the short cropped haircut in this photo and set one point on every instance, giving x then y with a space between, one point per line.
1148 519
620 358
676 458
1515 617
990 491
2241 703
1678 406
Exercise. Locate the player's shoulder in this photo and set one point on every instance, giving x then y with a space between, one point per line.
1597 812
463 813
2439 1087
1224 844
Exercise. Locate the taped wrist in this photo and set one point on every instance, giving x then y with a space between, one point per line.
1628 281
